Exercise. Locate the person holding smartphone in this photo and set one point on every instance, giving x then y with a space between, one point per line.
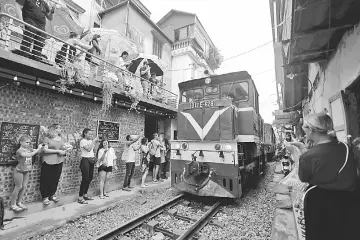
87 164
106 159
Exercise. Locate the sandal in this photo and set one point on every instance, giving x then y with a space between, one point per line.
22 206
82 201
16 208
46 201
88 198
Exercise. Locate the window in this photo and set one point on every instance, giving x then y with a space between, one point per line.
192 95
212 90
157 47
238 91
181 33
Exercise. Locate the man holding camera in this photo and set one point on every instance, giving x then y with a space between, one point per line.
34 13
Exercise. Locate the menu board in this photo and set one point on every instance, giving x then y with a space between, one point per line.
108 130
9 136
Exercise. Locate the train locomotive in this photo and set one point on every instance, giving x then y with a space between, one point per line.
222 142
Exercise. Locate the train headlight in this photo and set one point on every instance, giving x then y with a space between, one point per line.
227 147
184 146
217 147
176 146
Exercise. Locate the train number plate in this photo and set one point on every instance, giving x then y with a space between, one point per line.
202 104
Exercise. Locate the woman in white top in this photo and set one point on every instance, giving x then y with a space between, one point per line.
106 159
87 164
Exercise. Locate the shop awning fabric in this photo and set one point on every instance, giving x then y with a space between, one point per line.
316 28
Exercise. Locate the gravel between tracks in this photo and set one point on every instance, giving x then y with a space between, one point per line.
87 227
249 218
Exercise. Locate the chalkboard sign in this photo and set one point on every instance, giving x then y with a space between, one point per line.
9 136
108 130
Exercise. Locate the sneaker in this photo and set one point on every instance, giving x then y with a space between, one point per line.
54 199
102 197
46 201
143 186
88 198
16 208
130 187
22 206
105 195
82 201
126 189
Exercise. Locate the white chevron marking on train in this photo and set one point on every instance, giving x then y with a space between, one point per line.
203 132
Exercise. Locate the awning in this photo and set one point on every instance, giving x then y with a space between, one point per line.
317 28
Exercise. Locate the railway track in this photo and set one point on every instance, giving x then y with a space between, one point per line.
149 221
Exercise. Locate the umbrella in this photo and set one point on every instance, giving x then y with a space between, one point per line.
63 23
156 64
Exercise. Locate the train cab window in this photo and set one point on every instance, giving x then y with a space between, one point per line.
238 91
212 90
192 95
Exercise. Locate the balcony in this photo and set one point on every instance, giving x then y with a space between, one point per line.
191 46
57 69
212 59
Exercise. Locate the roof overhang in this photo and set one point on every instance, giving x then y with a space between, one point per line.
136 7
317 27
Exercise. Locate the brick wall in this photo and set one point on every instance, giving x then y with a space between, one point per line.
34 105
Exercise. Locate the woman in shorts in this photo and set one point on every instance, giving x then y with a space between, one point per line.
106 159
21 173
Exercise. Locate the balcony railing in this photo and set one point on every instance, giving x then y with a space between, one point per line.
15 37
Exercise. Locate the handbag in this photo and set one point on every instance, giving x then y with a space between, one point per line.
92 160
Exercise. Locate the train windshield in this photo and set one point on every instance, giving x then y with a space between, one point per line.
238 91
192 95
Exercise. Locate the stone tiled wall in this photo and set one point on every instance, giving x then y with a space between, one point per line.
33 105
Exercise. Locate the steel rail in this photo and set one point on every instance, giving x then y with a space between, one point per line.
201 223
137 221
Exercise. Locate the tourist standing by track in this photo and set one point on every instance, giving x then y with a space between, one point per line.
144 161
51 168
154 148
129 157
21 172
87 164
106 159
329 168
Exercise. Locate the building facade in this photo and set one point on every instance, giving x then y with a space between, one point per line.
193 51
41 93
320 49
